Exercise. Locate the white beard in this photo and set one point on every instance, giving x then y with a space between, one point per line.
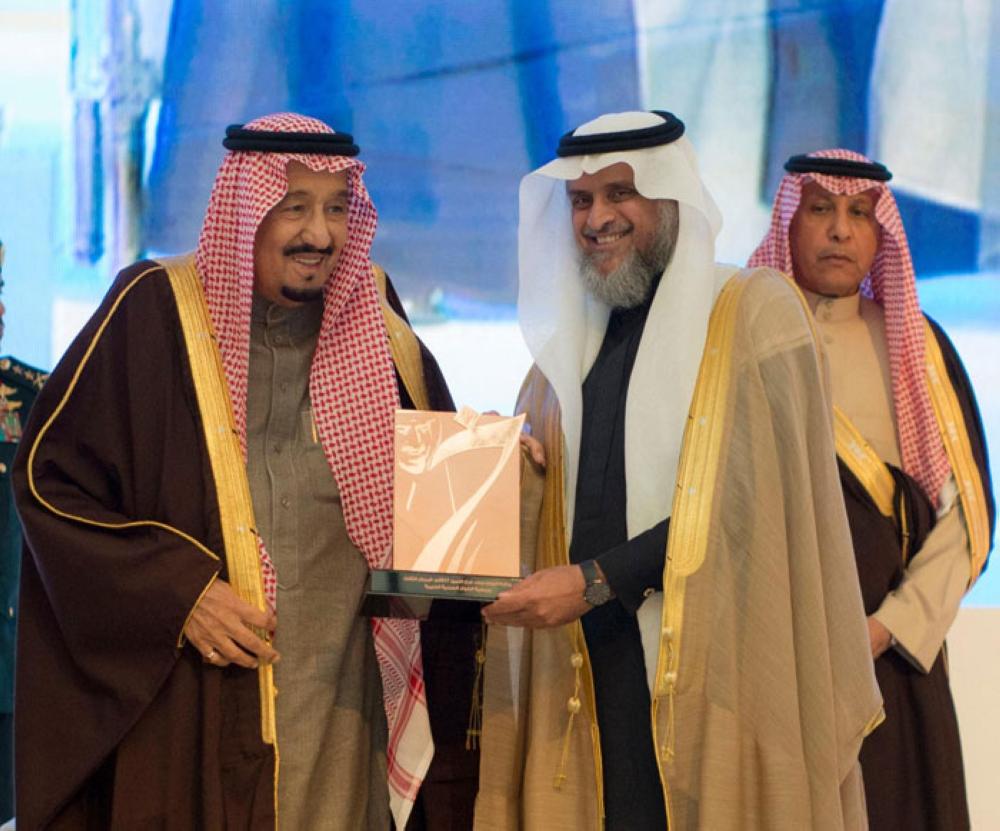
629 285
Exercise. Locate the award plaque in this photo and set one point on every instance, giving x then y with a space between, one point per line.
456 509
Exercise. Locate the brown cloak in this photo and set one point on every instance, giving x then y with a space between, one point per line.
119 725
912 764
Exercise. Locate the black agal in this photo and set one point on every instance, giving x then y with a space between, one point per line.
267 141
838 167
670 130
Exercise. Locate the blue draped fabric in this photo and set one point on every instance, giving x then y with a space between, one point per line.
822 53
822 57
452 102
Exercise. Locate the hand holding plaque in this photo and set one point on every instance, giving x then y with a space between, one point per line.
456 525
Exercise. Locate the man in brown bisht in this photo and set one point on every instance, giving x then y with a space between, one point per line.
690 649
912 462
204 484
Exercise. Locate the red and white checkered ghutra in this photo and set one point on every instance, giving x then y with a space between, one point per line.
892 284
352 387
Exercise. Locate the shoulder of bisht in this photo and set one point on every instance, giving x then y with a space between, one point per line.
774 309
403 341
758 446
961 428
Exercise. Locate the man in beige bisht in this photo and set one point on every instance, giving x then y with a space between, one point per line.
691 645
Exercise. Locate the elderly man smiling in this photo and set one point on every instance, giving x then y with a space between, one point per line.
206 484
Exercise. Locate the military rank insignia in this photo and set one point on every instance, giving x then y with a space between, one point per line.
10 418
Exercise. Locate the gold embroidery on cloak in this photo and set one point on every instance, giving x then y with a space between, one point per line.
690 516
232 486
955 436
537 398
862 460
404 346
226 457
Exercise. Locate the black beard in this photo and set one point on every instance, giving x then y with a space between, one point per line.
302 295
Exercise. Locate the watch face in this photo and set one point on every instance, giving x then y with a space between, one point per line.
597 594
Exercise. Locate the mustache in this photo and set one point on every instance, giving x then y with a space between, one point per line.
835 252
305 248
607 228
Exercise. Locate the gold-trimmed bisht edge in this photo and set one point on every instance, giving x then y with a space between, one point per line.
403 344
536 387
864 463
236 516
904 529
226 457
691 512
955 437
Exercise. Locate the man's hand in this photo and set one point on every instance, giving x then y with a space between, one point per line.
550 597
534 449
529 443
879 637
219 629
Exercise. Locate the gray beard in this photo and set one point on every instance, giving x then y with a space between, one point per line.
630 284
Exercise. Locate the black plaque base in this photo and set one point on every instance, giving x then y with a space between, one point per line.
476 587
392 593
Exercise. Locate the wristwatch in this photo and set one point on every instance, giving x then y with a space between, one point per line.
597 592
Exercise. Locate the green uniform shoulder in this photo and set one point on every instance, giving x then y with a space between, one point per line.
20 374
19 384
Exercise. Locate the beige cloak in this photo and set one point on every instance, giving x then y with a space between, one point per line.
763 684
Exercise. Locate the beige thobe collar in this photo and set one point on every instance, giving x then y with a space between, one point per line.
834 309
